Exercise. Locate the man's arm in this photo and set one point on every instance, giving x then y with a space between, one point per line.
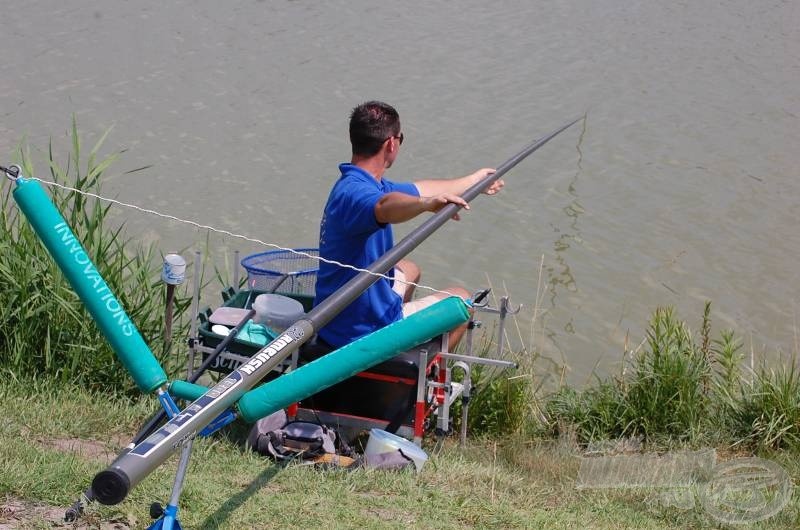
457 186
398 207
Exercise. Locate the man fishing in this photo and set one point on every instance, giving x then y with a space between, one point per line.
356 226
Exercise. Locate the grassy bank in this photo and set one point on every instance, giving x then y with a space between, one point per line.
48 458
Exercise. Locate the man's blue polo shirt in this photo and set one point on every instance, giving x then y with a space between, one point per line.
349 233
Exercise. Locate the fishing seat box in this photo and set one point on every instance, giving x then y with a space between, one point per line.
386 392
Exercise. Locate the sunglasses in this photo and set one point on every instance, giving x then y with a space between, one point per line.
399 137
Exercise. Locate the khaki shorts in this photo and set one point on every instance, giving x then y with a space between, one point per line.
409 308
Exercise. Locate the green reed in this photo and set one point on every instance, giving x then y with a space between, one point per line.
685 389
764 411
665 395
500 403
44 328
662 396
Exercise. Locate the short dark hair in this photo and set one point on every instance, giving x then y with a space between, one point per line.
371 123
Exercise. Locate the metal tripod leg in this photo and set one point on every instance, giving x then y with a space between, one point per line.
169 519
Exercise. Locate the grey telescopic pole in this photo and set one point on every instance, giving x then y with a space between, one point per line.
113 484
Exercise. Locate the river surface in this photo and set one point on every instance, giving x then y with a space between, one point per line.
680 186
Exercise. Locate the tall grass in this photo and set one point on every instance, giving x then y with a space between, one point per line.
686 389
665 395
596 413
764 411
662 397
500 403
44 328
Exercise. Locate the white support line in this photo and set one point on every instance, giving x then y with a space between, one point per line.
229 233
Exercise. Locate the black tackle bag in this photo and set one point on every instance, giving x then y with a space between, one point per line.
279 439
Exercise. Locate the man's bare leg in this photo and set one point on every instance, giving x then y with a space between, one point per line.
412 274
455 334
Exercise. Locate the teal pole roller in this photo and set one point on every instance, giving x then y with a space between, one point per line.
349 360
93 291
187 390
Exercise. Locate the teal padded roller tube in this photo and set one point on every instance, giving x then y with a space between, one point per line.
353 358
187 390
84 278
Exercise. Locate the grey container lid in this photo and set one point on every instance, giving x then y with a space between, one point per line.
277 311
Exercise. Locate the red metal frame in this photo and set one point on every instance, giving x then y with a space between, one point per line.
421 409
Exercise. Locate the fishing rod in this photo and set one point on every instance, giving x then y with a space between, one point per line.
113 484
